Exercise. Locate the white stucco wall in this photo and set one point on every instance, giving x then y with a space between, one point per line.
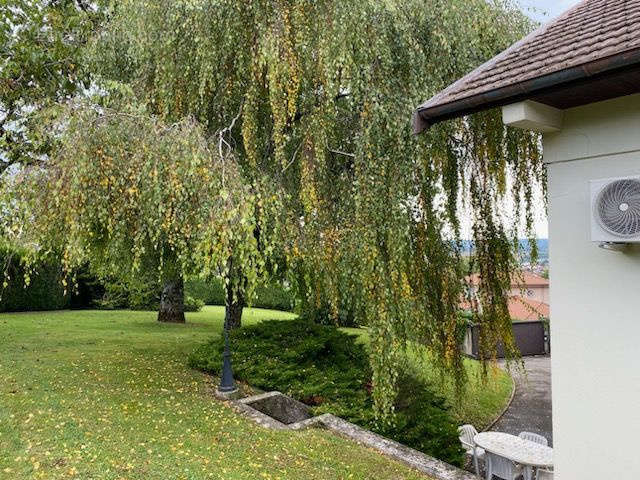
537 294
595 299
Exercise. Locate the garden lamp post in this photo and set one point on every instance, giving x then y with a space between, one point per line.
227 384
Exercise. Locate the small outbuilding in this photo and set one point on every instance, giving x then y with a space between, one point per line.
577 80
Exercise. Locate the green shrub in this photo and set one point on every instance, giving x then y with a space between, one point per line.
327 369
322 315
138 295
211 292
192 304
89 289
44 291
273 296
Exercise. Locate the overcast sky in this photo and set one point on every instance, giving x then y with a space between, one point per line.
545 10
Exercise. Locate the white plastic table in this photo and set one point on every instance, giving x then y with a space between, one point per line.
523 452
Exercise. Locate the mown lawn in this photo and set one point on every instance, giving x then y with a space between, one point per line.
485 396
107 395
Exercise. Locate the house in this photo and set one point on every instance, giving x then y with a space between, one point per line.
526 284
522 309
528 308
532 286
577 80
528 297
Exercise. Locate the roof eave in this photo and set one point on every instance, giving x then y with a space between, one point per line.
427 115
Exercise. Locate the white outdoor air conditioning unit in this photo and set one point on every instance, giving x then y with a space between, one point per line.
615 211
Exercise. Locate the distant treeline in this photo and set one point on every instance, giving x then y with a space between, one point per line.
525 249
45 290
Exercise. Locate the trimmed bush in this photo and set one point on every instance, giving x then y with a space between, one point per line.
328 370
134 295
210 292
272 296
44 292
192 304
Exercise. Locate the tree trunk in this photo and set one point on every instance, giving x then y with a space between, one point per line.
233 309
172 301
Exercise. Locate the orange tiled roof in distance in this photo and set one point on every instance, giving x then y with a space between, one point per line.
523 309
521 279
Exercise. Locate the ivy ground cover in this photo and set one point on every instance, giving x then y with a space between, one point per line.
108 395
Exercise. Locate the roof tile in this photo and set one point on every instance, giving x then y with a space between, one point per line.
523 309
592 30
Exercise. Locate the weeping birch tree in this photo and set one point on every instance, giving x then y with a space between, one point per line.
315 100
135 197
41 45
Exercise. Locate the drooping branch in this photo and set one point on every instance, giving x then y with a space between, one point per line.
320 82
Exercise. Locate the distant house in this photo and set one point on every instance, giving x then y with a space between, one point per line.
528 298
531 286
524 309
527 308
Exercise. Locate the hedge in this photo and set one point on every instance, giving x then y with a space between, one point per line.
44 291
272 296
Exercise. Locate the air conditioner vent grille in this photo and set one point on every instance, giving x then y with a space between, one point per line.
618 208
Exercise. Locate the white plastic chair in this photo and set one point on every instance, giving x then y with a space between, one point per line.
544 475
534 437
501 467
467 434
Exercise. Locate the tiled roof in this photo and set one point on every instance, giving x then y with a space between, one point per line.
530 279
521 279
591 31
520 308
523 309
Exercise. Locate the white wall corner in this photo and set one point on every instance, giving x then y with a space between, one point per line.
535 116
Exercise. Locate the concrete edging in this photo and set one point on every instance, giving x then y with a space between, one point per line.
433 467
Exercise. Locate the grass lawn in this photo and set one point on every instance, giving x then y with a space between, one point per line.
484 397
107 395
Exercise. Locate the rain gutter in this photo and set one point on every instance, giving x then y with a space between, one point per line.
426 116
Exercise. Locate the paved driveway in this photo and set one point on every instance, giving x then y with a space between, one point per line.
531 406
